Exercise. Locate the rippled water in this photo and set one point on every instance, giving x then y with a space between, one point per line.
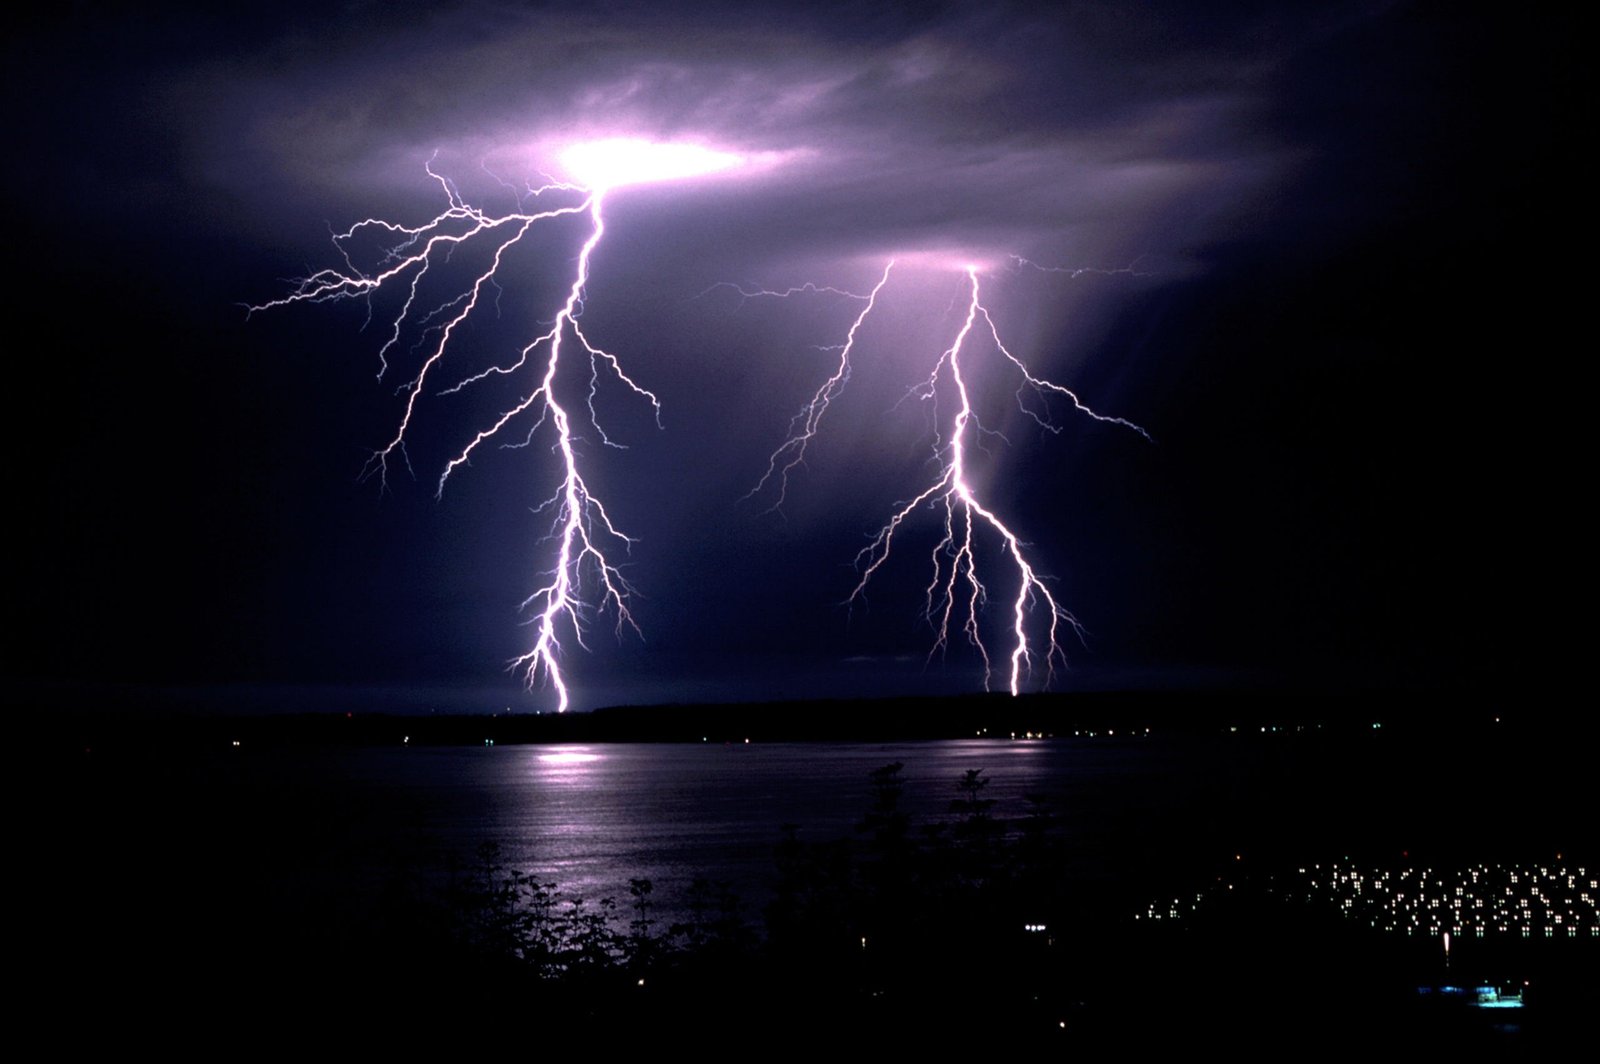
590 818
320 828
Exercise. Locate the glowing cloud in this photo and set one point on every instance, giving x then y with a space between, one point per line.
617 161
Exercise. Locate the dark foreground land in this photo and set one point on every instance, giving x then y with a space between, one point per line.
164 911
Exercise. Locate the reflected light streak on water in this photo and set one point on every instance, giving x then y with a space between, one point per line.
577 756
591 817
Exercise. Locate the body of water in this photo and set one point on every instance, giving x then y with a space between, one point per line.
323 824
240 859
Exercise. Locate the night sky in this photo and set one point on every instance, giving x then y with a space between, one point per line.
1334 267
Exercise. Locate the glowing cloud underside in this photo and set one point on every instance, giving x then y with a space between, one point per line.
956 594
582 580
607 164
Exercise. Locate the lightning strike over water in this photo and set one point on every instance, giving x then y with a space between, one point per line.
583 580
956 594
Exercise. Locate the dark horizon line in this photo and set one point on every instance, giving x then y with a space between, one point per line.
1100 715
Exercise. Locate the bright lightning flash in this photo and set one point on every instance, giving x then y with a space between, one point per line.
608 164
956 594
583 579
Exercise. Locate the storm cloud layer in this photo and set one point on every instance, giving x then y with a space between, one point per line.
1280 238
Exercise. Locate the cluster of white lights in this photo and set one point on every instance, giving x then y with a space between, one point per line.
1547 900
1480 900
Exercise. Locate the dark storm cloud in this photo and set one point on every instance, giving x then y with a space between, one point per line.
975 126
1320 203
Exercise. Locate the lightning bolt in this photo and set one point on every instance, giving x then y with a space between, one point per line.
803 428
1130 270
956 594
808 288
583 580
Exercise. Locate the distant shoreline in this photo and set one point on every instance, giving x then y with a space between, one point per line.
1104 716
